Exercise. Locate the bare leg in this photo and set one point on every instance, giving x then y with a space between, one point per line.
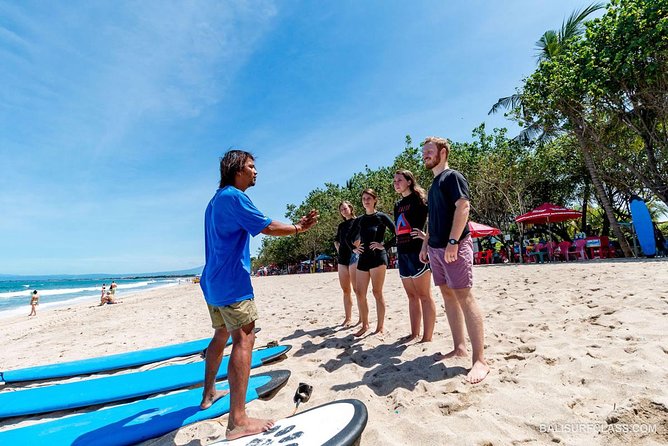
456 322
414 309
352 270
363 278
474 326
214 356
423 288
344 281
239 424
377 281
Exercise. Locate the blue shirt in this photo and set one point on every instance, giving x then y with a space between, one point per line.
229 221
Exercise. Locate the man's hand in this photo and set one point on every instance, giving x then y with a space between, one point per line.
307 221
451 252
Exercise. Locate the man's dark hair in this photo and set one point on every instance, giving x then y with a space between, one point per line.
230 164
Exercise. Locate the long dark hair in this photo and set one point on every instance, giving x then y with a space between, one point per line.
232 163
414 186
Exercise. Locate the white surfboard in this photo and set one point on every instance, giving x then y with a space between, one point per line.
339 423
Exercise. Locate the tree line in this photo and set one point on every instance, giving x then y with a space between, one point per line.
594 120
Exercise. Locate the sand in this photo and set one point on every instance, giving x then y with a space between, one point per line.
578 354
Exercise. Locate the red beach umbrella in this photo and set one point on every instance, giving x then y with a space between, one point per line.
480 230
548 213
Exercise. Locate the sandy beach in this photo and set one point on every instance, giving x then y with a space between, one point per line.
578 354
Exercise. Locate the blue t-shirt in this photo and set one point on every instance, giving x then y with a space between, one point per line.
230 220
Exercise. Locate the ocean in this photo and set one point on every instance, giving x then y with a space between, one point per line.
15 294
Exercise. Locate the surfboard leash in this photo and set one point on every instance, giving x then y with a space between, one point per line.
302 395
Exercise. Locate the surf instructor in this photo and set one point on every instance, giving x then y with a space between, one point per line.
230 220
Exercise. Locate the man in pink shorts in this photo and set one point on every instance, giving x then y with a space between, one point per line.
449 249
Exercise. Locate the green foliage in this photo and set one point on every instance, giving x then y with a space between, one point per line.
506 178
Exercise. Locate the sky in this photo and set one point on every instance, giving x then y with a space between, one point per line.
113 115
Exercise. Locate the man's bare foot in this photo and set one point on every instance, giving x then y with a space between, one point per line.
347 323
250 427
379 330
459 353
478 372
210 398
361 331
423 340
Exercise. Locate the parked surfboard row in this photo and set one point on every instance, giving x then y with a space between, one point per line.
143 419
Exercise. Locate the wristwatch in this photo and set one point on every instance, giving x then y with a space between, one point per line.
453 241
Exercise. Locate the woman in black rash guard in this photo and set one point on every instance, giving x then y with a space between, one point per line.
347 259
367 236
410 215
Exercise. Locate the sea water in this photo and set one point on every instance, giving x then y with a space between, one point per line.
15 294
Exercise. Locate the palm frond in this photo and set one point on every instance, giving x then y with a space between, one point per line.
547 45
509 103
574 25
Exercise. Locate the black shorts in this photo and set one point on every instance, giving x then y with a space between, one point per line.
410 266
350 260
374 259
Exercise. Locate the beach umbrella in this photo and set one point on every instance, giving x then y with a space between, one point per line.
480 230
323 257
548 213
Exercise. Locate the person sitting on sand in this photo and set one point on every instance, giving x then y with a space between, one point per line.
103 296
34 301
230 220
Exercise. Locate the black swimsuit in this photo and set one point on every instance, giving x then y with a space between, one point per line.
368 229
345 251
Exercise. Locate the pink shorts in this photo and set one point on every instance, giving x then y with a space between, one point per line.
458 274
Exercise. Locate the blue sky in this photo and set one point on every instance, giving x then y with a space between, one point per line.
113 114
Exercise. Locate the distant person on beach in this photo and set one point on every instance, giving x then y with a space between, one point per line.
368 238
229 221
410 216
103 296
34 301
449 248
112 290
347 267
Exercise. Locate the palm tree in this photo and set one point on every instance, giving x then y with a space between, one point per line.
548 46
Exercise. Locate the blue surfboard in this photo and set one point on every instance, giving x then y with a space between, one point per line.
642 222
118 387
106 363
132 423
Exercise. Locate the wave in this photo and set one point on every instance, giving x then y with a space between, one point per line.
47 292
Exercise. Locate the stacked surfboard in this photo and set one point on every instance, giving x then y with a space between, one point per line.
150 403
132 406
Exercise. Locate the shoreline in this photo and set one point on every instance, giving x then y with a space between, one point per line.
578 343
79 300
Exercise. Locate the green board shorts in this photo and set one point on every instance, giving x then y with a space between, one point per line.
233 316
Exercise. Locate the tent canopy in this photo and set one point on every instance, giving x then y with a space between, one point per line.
548 213
480 230
323 257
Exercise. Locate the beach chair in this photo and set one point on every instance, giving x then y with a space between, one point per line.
580 249
489 257
565 251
